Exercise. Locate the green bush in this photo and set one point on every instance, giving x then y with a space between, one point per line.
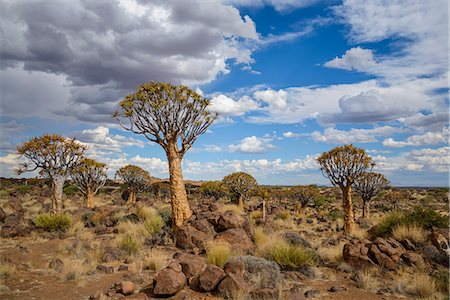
290 257
70 190
24 189
321 200
166 214
129 244
335 214
53 222
153 224
422 217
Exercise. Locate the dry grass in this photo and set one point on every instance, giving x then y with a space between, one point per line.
260 236
217 253
288 256
231 207
74 269
130 243
255 215
411 232
155 260
359 233
76 228
7 269
366 279
145 212
416 285
332 253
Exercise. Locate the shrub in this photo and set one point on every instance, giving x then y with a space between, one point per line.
166 213
321 200
217 253
284 215
231 207
145 212
53 222
153 224
261 237
129 243
418 286
290 257
155 260
411 232
24 189
255 215
335 214
70 190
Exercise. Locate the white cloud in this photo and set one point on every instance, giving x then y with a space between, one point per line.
279 5
290 134
336 136
429 122
252 144
429 138
100 139
226 106
274 99
358 59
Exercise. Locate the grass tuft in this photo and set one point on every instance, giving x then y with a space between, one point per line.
290 257
53 222
129 243
411 232
217 253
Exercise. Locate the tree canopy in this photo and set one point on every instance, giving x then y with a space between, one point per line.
89 175
368 184
240 183
136 178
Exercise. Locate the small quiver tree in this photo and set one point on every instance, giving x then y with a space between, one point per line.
136 179
55 157
342 166
304 194
89 175
173 117
368 185
214 189
240 185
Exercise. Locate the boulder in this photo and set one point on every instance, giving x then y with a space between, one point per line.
127 287
204 226
412 259
189 238
168 282
408 244
296 239
105 269
211 277
237 238
3 215
380 258
229 220
111 254
191 265
256 270
356 254
231 286
234 266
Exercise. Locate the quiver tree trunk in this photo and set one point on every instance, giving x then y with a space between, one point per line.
241 201
365 209
131 198
57 189
349 222
89 198
178 197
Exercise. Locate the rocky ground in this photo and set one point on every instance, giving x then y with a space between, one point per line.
115 252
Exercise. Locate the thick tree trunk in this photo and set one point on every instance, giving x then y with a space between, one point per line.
349 222
131 198
181 210
241 201
365 209
89 198
57 187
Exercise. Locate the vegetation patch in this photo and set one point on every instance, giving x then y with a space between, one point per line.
217 253
53 222
290 257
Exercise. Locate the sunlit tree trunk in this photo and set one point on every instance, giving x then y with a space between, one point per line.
365 209
58 186
178 198
89 198
349 222
241 201
131 198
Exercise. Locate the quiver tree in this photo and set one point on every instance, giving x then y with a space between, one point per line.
342 166
214 189
368 185
54 156
304 194
89 175
136 179
240 185
173 117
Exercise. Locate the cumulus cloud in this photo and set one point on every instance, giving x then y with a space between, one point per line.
98 51
252 144
290 134
100 139
226 106
336 136
274 99
428 122
429 138
279 5
358 59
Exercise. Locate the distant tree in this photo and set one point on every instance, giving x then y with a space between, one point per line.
342 166
54 156
136 179
240 185
89 175
368 185
173 117
304 194
214 189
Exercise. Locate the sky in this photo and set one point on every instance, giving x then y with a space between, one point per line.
290 79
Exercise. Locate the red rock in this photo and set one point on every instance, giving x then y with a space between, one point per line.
127 287
211 277
169 282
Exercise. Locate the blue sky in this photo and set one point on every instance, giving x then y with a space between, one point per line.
290 79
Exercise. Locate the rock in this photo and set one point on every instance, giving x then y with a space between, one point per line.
380 258
408 245
105 269
13 205
229 220
234 266
336 289
56 264
312 293
189 238
3 215
433 255
265 294
237 238
123 268
174 265
230 286
111 254
192 265
127 287
296 239
211 277
204 226
168 282
13 220
138 296
389 247
412 259
266 272
364 223
353 255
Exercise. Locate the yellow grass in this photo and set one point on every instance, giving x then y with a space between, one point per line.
156 259
411 232
332 253
366 278
7 269
416 285
217 253
231 207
